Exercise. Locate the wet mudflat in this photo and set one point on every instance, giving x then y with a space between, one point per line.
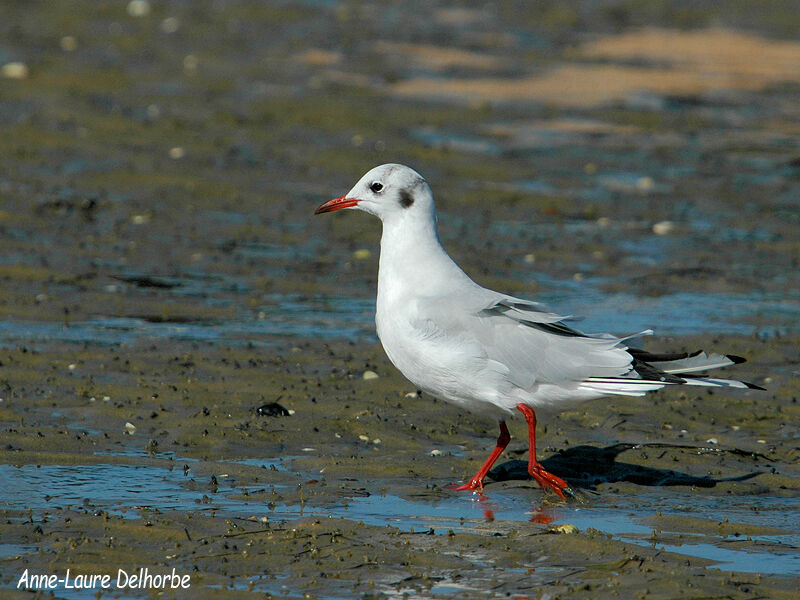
163 280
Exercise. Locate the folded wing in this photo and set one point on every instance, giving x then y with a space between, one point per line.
536 346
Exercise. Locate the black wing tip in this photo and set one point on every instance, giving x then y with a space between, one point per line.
651 357
737 360
753 386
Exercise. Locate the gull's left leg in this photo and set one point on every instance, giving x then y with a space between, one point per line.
543 478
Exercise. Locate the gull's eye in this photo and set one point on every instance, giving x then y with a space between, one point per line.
376 187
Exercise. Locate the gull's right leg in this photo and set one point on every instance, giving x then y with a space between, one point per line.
476 483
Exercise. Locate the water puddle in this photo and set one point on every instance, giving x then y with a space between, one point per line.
57 487
45 488
682 313
457 142
300 317
629 521
8 551
326 317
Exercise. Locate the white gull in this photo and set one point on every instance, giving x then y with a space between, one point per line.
488 352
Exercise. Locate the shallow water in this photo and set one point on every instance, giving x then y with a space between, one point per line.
44 489
163 276
320 317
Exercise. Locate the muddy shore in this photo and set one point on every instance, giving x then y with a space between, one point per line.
183 346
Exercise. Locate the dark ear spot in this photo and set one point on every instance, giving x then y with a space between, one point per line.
406 199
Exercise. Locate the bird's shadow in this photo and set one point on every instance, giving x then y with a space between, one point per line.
588 466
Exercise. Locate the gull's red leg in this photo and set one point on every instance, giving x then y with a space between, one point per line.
476 483
542 477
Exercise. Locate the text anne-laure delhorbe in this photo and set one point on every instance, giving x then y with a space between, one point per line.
140 579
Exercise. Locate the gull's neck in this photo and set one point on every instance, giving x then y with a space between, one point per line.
413 263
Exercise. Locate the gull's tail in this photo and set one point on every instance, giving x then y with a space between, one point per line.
654 371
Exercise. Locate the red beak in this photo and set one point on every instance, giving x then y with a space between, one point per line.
336 204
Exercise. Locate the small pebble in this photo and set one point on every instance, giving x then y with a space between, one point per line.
370 375
663 227
130 428
190 63
364 438
411 395
177 153
436 452
712 441
170 25
273 409
138 8
14 70
68 43
645 184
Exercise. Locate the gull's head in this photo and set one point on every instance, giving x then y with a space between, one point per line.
389 192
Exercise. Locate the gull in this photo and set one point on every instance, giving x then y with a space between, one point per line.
488 352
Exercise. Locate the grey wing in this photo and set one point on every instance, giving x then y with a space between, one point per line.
539 347
522 345
517 338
